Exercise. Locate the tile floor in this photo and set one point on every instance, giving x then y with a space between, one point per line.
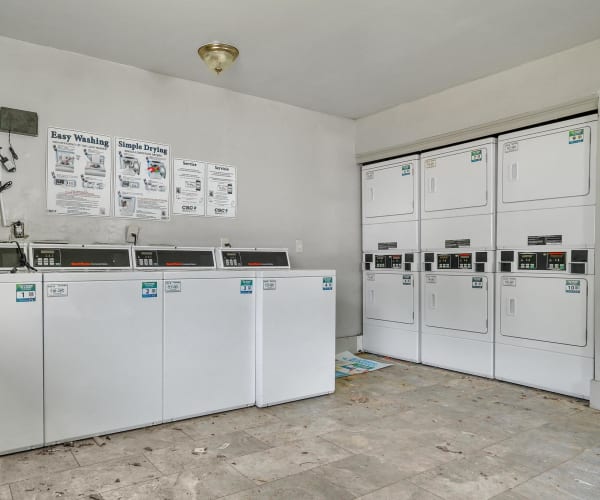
404 432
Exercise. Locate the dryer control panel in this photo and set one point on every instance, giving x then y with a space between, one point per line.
478 262
253 258
560 261
172 258
61 257
407 261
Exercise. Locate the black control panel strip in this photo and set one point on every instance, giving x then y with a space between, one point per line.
81 258
254 258
174 258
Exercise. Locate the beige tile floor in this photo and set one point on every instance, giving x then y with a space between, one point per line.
405 432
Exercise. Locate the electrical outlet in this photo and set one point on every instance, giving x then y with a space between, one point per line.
225 242
299 246
132 234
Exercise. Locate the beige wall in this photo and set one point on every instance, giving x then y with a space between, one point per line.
297 175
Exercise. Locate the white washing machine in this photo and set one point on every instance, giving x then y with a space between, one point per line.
209 341
102 341
547 186
458 186
391 293
390 205
545 319
457 305
295 325
21 356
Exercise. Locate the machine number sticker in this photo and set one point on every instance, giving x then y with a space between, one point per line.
511 147
57 290
327 283
246 287
430 163
406 279
26 292
573 286
172 286
575 136
509 281
270 285
431 279
476 155
370 175
149 289
405 170
370 277
476 282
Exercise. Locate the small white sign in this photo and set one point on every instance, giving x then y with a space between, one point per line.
406 279
509 281
172 286
57 290
270 285
431 279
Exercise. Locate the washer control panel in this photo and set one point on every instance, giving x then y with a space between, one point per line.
9 256
407 261
79 257
564 261
245 258
478 262
173 258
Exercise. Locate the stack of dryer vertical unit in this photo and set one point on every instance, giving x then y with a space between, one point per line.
390 206
545 289
457 245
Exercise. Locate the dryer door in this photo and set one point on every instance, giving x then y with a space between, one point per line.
545 309
456 302
456 180
555 164
390 297
388 191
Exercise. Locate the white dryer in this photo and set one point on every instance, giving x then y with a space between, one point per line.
457 305
390 205
547 186
21 356
209 339
458 186
102 341
545 319
295 325
391 293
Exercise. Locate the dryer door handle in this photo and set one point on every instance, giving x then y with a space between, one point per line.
514 171
372 295
433 301
511 307
432 184
371 193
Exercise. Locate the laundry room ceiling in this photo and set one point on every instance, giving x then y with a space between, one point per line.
344 57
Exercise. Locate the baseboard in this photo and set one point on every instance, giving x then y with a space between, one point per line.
352 344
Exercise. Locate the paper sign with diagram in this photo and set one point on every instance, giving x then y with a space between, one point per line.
142 179
221 197
78 173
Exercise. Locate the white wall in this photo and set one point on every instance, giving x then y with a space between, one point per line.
547 82
297 174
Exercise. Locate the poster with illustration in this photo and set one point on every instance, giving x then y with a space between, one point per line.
188 187
78 173
221 191
142 179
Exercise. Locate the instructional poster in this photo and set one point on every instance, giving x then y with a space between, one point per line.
78 173
221 191
142 176
189 177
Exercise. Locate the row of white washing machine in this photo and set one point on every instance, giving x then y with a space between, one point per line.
500 259
110 338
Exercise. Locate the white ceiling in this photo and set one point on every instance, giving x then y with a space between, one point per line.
345 57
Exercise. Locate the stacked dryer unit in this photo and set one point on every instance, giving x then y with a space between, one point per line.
21 356
390 207
457 249
209 339
545 286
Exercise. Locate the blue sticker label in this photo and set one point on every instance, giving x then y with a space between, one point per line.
575 136
149 289
26 292
327 283
406 170
476 155
246 286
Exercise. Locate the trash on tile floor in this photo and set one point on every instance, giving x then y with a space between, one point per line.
347 364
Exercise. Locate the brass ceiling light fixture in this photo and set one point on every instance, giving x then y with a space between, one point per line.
218 56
